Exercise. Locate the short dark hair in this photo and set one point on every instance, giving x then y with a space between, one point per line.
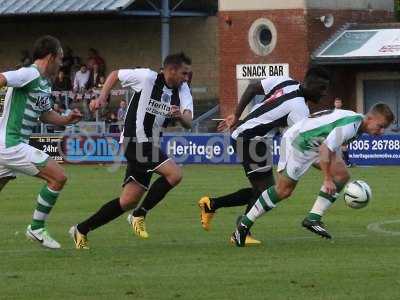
318 72
384 110
177 59
44 46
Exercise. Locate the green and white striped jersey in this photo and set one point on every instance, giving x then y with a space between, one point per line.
332 127
27 97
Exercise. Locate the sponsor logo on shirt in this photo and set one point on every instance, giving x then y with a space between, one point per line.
159 108
277 94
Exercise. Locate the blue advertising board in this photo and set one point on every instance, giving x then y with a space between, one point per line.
216 149
369 150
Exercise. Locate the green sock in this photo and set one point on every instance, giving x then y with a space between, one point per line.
264 203
45 202
323 202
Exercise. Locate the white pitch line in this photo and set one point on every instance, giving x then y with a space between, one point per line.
377 227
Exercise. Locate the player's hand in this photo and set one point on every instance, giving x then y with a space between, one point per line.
96 104
228 123
329 186
75 116
175 112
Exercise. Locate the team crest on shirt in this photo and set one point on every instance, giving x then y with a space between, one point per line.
277 94
165 98
41 101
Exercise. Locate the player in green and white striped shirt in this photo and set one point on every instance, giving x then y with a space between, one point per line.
316 140
26 101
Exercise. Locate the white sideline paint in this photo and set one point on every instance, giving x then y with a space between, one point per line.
378 227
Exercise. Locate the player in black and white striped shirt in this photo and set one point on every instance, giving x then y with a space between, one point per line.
158 98
284 104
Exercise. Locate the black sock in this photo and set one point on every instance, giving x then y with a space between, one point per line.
108 212
239 198
156 193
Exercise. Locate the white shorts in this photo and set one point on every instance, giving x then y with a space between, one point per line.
295 163
21 159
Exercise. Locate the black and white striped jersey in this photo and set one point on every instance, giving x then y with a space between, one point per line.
283 106
150 105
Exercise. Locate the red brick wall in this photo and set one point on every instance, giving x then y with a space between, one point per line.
234 48
298 35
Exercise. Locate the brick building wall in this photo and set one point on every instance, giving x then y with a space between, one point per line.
291 47
122 43
299 33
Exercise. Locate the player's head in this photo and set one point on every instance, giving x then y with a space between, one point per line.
378 118
176 69
48 51
316 84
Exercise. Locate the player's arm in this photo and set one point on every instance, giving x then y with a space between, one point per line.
185 118
51 117
251 91
327 151
101 101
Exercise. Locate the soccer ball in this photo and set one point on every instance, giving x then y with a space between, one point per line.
357 194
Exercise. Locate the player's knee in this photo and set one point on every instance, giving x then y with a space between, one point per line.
60 180
175 178
284 192
342 177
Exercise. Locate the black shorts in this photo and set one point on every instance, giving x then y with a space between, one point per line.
255 157
143 159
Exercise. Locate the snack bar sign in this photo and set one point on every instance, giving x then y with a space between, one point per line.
259 71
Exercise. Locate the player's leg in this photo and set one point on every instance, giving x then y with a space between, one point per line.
130 196
324 200
266 202
55 179
171 176
257 164
26 159
6 174
135 184
292 165
208 206
260 182
4 181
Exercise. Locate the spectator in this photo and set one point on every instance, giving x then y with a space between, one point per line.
62 82
76 65
94 78
95 58
102 80
121 110
81 79
68 60
111 122
338 103
26 59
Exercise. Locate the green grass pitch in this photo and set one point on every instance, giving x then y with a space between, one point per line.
181 261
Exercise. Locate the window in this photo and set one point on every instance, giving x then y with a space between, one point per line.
262 37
